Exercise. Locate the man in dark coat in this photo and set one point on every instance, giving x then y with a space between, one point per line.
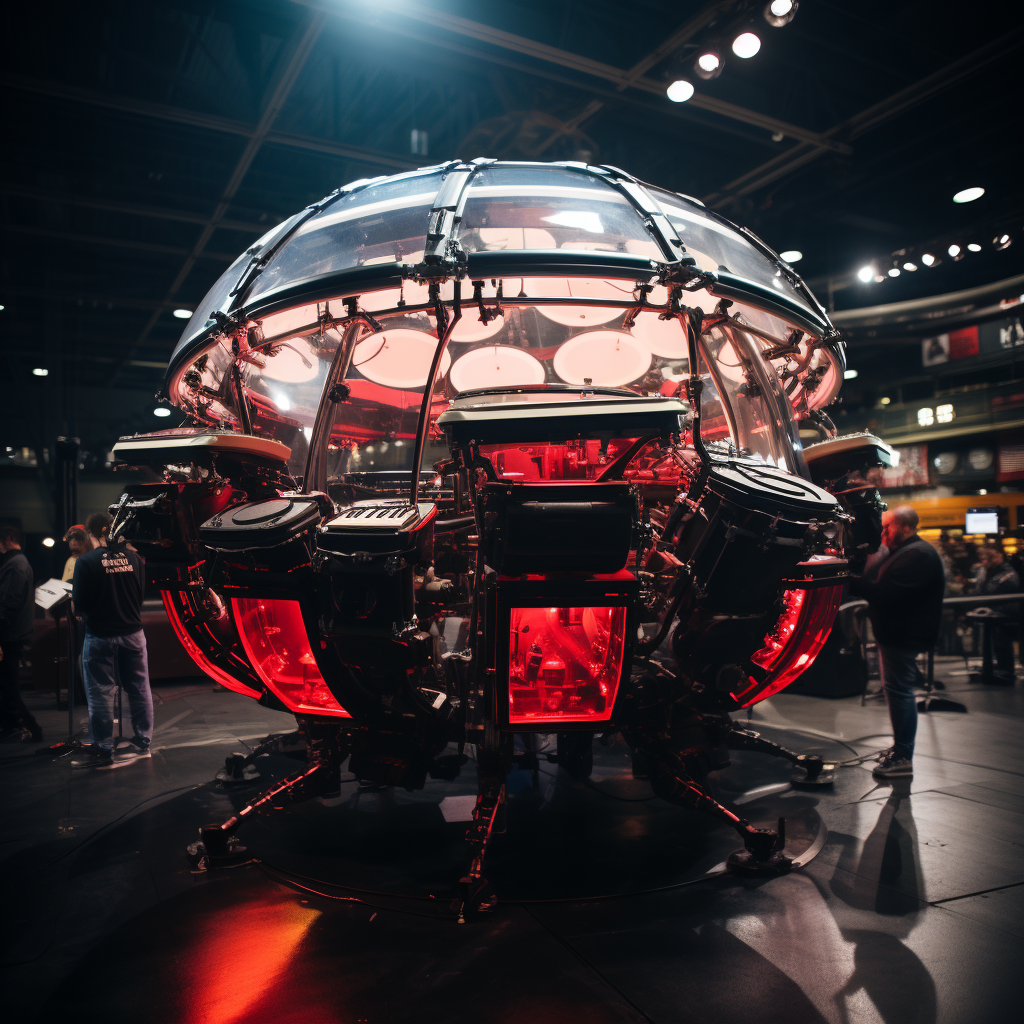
1000 577
16 613
904 593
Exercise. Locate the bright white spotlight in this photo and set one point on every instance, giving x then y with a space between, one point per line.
161 412
866 274
884 400
680 90
47 542
974 247
791 255
1000 242
968 195
183 314
928 259
894 271
849 374
746 45
780 12
910 266
709 64
40 371
954 250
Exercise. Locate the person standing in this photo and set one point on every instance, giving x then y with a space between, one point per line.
17 595
1000 577
904 592
109 585
78 541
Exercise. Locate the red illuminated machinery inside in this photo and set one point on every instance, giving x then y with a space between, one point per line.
794 643
564 664
572 460
196 653
275 640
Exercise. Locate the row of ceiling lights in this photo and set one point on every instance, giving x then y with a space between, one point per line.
871 272
746 44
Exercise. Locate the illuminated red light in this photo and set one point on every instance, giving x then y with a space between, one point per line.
564 664
274 637
196 654
791 647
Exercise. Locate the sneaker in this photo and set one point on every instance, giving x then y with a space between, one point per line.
893 767
132 752
94 757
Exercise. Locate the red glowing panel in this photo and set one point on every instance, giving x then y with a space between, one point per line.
195 653
274 637
794 643
564 664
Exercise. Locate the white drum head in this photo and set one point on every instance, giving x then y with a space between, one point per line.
471 328
399 358
607 358
495 366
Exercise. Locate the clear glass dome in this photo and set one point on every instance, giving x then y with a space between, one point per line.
565 260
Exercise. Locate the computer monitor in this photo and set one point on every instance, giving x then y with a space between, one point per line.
982 520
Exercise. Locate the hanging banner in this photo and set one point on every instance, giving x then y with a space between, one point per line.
960 344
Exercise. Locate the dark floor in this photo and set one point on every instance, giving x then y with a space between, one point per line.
913 912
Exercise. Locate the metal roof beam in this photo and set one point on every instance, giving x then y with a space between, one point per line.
898 103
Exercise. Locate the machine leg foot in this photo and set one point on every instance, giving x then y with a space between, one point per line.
762 852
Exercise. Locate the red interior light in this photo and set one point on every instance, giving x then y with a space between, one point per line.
274 637
196 654
564 664
791 647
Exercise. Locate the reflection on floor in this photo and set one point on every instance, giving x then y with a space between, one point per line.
912 914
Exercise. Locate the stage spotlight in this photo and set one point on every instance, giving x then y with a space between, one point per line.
780 12
954 250
680 90
974 247
879 278
866 274
746 45
928 259
40 371
161 412
709 63
48 542
885 400
183 314
849 374
1000 242
791 255
910 266
968 195
894 271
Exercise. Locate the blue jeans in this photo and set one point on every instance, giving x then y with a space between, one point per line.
900 675
104 660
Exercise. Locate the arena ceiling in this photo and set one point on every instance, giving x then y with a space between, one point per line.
148 144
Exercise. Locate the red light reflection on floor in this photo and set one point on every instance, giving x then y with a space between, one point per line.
275 639
238 957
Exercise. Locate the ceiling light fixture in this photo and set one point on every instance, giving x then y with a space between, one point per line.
48 542
161 412
968 195
746 45
910 266
1000 242
709 63
780 12
40 371
791 255
954 250
974 247
894 271
866 274
680 90
928 259
183 314
849 374
885 400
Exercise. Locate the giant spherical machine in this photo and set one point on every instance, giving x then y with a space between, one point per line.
492 448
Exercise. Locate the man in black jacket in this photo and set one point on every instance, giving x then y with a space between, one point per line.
16 613
1000 577
904 593
108 589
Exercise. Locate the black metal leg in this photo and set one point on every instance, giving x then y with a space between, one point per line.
814 769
